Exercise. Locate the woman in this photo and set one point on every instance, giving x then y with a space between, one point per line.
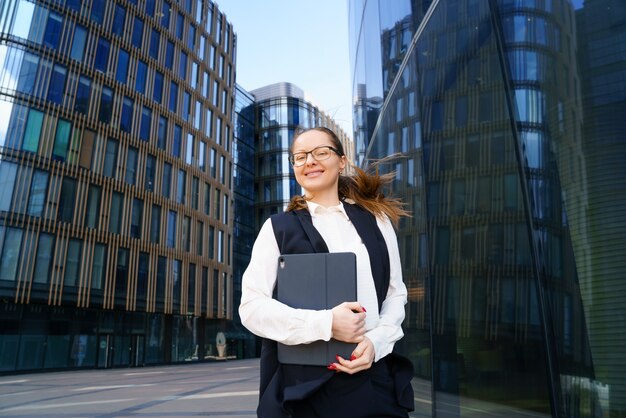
348 214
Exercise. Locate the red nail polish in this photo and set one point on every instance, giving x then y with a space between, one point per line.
331 367
337 357
363 307
352 357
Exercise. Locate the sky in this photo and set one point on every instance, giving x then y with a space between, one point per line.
302 42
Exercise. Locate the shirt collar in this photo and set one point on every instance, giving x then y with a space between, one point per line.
316 209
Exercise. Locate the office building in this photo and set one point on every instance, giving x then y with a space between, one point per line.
512 310
116 206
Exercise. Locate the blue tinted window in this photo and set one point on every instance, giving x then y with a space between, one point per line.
102 55
180 26
173 96
154 44
28 73
106 103
150 8
118 20
52 35
57 84
146 121
162 132
171 229
191 40
97 10
169 55
167 179
186 106
157 94
178 134
137 32
182 65
78 43
165 17
131 165
110 158
150 170
126 118
122 66
61 139
83 93
140 80
67 200
74 4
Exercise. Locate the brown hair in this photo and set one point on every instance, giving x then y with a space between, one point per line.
364 188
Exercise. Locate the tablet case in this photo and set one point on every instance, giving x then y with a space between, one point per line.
316 281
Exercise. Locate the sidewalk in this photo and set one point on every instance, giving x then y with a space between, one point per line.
220 389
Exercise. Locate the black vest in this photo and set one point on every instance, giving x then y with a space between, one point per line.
295 234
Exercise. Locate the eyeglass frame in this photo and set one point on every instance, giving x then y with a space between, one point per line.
293 161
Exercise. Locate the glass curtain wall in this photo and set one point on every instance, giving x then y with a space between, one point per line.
503 118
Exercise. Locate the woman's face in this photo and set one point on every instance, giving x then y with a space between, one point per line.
317 176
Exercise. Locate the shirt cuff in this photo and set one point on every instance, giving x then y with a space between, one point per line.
380 341
321 323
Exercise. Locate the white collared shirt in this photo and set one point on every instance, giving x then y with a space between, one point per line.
271 319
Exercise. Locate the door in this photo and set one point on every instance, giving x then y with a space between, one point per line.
105 350
137 350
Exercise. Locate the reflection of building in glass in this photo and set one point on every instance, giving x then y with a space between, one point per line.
116 202
484 105
280 109
602 52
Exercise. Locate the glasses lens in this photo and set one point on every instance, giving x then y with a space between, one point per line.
321 153
298 159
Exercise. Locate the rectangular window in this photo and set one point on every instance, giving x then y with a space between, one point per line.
199 237
202 155
110 158
208 128
122 66
140 80
162 133
211 242
26 82
207 199
222 169
186 238
220 246
165 14
97 11
180 187
191 289
115 215
180 25
212 162
185 111
155 224
10 253
136 218
121 277
217 204
77 52
137 33
176 283
146 122
61 140
118 20
57 84
171 229
52 34
83 94
182 65
131 165
72 263
102 55
86 148
98 269
43 261
38 192
8 172
160 283
189 151
155 40
169 55
191 37
166 185
93 207
142 278
157 92
150 172
173 97
33 131
178 137
106 104
67 200
194 192
197 115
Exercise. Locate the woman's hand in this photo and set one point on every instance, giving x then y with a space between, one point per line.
362 359
348 322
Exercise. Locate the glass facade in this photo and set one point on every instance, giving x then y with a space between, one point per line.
279 110
506 119
106 256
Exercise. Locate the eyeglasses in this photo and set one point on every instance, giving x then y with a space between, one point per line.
322 153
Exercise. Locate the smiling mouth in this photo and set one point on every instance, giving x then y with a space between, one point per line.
314 173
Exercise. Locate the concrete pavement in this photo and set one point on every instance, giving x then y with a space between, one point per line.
220 389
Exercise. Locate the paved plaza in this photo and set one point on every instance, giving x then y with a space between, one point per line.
220 389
